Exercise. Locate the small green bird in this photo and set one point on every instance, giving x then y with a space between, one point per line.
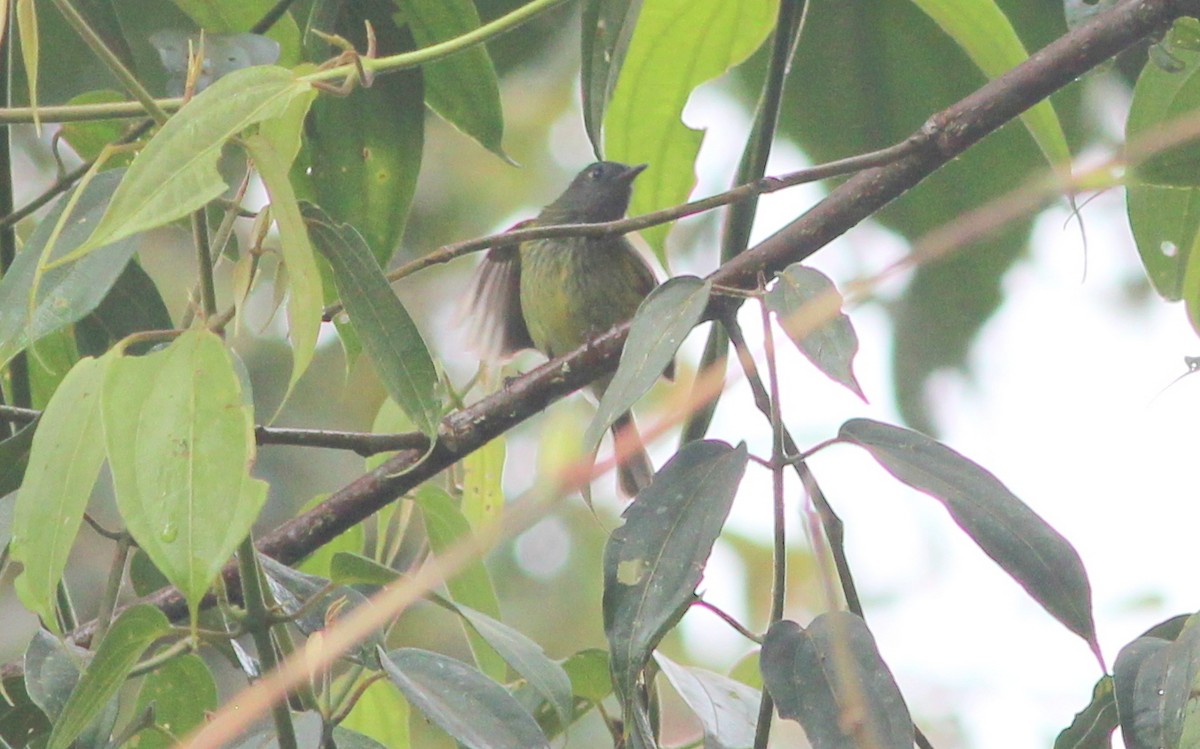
555 294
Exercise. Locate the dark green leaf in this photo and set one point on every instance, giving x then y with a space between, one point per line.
1021 542
51 672
347 568
132 305
1094 725
388 333
22 723
606 30
653 563
831 679
662 321
14 455
365 149
70 291
134 630
344 738
476 711
461 88
809 308
727 709
1155 685
182 692
320 601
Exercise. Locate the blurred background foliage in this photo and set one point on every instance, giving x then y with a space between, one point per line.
867 74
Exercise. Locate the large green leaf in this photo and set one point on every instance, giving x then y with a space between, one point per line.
182 692
67 453
180 441
727 709
1155 681
676 46
1004 527
461 88
1159 97
176 172
67 292
134 630
476 711
385 328
653 563
364 150
821 675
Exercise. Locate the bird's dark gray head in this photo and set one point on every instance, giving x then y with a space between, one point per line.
599 193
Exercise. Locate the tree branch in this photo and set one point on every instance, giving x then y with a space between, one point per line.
944 136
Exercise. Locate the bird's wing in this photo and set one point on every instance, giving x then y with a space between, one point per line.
496 326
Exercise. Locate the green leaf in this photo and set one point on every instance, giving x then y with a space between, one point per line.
305 301
482 483
589 674
662 321
989 39
88 138
653 563
182 692
1094 725
22 723
176 172
1158 98
727 709
49 361
348 568
1014 536
51 672
14 457
365 149
388 333
462 88
180 440
132 305
344 738
677 45
134 630
476 711
809 308
821 675
1165 223
607 26
65 293
472 587
313 601
65 460
320 561
1155 683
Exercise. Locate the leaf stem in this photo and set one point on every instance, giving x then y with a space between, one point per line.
204 263
258 624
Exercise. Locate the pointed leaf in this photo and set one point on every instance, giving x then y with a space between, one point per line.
305 300
65 293
182 692
989 39
476 711
462 88
665 62
180 444
1094 725
607 26
808 307
27 28
176 172
653 563
317 601
134 630
1021 542
1165 222
662 321
68 451
832 680
727 709
1159 97
388 333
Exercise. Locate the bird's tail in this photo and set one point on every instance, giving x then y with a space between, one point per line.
634 469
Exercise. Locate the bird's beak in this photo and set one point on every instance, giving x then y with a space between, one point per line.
629 174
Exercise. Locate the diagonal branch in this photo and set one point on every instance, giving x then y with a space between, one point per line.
944 136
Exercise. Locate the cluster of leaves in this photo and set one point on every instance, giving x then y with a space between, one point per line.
88 341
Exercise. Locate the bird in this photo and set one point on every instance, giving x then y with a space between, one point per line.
555 294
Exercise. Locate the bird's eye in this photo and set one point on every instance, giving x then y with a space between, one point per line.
596 172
